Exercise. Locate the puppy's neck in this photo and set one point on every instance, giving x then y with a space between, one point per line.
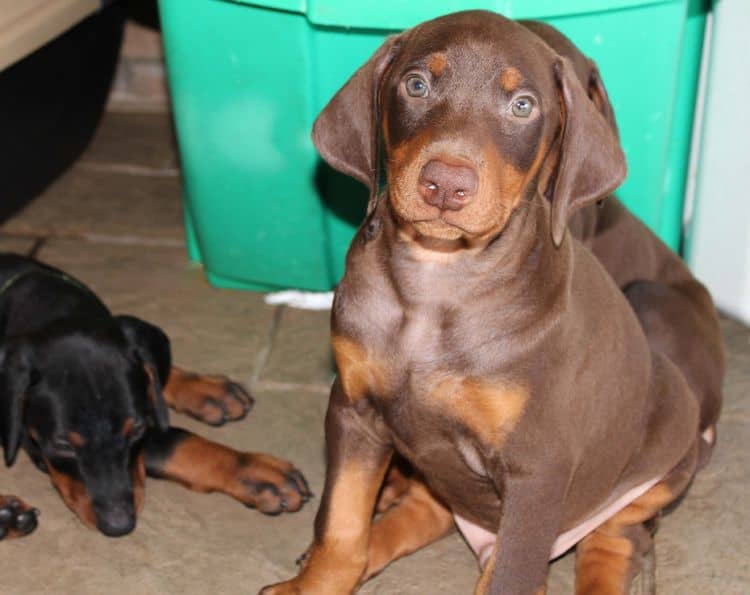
522 240
520 260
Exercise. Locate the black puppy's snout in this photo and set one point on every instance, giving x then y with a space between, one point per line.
447 186
115 520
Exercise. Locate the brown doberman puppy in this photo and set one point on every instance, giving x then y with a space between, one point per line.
540 404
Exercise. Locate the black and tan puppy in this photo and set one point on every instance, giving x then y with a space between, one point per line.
85 393
541 405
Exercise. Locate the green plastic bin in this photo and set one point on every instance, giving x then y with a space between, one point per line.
248 78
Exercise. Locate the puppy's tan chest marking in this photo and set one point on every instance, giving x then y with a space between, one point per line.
417 368
361 373
490 410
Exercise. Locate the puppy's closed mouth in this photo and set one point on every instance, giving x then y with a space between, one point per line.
439 217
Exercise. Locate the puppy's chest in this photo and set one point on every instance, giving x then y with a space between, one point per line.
423 369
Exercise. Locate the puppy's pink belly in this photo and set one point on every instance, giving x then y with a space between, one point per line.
482 541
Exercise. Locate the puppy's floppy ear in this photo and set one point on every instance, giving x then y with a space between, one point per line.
151 346
346 132
597 92
590 163
15 377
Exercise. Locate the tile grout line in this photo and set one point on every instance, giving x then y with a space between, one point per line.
264 354
128 169
36 247
273 385
96 238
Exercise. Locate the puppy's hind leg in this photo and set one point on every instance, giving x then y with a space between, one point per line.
613 556
681 323
415 521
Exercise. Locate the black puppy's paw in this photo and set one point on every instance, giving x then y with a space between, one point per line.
225 400
17 518
269 484
214 400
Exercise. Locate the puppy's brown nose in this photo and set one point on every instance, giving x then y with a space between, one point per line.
446 186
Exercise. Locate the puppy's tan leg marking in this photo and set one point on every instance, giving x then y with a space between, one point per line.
395 487
483 584
337 560
212 399
258 480
608 558
417 520
358 372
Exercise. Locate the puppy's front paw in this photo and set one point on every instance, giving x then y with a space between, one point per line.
269 484
17 518
211 399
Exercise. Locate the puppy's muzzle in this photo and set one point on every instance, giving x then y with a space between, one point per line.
447 186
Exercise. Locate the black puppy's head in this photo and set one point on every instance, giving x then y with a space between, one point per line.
82 402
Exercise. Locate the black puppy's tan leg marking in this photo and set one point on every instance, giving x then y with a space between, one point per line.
212 399
608 559
417 520
17 518
257 480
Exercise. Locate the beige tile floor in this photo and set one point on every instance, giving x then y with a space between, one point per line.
114 220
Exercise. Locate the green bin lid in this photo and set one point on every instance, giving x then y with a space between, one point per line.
400 14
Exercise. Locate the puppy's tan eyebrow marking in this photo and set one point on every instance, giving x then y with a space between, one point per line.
127 427
76 439
510 79
436 63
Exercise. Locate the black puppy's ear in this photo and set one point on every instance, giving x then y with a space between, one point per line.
151 346
590 164
15 376
346 132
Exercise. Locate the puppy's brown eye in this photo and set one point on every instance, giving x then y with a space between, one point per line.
416 86
522 106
